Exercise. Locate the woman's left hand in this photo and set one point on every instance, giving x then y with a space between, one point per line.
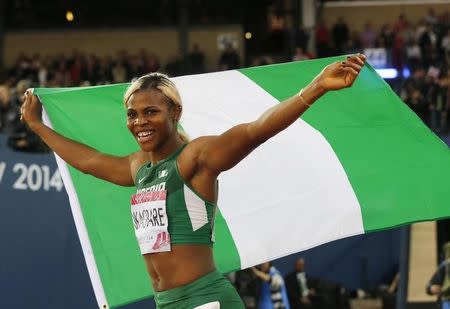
342 74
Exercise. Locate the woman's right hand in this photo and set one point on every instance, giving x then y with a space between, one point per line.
82 157
31 109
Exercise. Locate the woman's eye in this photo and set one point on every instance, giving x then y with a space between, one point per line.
131 115
150 112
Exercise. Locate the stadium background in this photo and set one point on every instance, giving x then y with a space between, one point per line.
78 42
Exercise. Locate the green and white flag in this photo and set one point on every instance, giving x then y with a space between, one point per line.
358 160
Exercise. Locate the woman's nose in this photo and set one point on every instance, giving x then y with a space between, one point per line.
140 121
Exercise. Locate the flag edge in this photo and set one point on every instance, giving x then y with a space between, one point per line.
80 226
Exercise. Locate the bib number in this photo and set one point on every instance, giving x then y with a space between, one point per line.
148 210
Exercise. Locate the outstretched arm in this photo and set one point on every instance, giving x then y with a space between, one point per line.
84 158
261 275
222 152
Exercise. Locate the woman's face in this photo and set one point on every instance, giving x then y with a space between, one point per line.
150 119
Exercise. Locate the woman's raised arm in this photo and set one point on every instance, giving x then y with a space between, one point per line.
84 158
222 152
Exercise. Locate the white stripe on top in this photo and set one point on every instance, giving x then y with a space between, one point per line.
196 209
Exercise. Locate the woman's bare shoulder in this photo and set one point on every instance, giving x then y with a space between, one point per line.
189 158
195 147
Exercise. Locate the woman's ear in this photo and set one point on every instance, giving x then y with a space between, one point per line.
178 109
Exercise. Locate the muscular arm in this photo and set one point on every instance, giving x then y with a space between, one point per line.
84 158
222 152
226 150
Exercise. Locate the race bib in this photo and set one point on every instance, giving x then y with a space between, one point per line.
148 210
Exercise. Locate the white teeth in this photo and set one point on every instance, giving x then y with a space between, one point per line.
144 133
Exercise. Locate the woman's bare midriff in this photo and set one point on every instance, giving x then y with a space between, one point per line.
181 266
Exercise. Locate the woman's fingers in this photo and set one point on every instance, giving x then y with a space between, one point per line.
350 70
355 66
34 99
350 76
28 99
358 59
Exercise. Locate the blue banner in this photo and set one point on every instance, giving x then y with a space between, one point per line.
41 261
42 264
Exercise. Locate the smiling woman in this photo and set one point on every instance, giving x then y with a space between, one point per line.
163 93
174 207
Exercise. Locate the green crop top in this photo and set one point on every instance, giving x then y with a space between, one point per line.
190 218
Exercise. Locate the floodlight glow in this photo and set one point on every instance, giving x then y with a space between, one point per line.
248 35
406 73
387 73
69 16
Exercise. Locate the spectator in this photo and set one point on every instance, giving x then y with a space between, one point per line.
75 70
387 36
398 51
174 66
439 283
43 72
413 53
322 39
445 45
443 101
104 74
420 28
302 38
11 107
368 36
247 286
427 40
8 113
229 59
431 96
388 292
400 24
89 72
273 291
22 68
151 63
341 34
300 292
415 82
119 72
196 60
61 75
431 17
417 103
19 136
299 55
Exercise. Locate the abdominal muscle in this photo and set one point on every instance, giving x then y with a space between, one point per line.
181 266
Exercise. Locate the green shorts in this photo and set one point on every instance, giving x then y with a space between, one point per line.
210 290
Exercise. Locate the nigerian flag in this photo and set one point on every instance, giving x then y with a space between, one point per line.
358 160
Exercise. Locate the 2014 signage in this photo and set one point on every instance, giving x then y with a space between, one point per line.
33 177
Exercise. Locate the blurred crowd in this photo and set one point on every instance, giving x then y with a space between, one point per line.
81 69
419 51
265 287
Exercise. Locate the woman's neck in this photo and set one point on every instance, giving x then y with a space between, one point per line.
165 150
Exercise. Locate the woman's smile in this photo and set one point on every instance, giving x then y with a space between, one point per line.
145 135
